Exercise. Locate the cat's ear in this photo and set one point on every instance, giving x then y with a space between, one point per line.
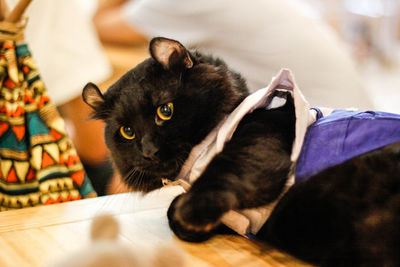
92 96
170 54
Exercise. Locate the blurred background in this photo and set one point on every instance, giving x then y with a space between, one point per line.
370 32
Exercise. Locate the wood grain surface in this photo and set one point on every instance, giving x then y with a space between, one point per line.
37 236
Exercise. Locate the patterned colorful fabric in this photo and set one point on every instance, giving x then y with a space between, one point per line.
38 163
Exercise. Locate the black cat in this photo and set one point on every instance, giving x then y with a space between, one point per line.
156 113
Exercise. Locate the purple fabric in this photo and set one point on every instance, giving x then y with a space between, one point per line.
343 135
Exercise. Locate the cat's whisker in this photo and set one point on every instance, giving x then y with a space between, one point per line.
134 178
139 182
122 187
131 172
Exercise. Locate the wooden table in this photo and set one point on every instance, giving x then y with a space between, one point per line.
36 236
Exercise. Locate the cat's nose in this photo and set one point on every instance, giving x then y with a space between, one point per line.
149 150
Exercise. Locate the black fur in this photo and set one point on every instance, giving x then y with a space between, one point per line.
346 215
201 95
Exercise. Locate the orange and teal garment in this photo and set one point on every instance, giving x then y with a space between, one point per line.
38 162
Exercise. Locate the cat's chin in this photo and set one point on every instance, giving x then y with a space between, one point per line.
162 170
145 187
148 179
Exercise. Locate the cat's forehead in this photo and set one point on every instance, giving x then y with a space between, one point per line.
146 84
152 77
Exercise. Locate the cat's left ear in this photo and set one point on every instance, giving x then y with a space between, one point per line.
170 54
92 96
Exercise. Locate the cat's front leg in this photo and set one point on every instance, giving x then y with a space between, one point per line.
250 172
194 216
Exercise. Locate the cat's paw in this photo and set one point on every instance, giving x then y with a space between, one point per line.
192 218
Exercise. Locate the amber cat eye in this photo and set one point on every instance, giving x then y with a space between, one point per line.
127 132
165 111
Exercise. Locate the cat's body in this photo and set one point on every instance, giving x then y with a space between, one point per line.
347 215
157 112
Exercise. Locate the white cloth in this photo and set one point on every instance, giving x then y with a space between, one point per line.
250 220
258 38
64 44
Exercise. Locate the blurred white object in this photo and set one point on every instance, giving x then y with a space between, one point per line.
65 46
371 8
258 38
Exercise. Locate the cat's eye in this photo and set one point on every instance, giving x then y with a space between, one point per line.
165 111
127 132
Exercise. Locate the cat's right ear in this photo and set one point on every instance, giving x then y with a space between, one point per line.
171 54
92 96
